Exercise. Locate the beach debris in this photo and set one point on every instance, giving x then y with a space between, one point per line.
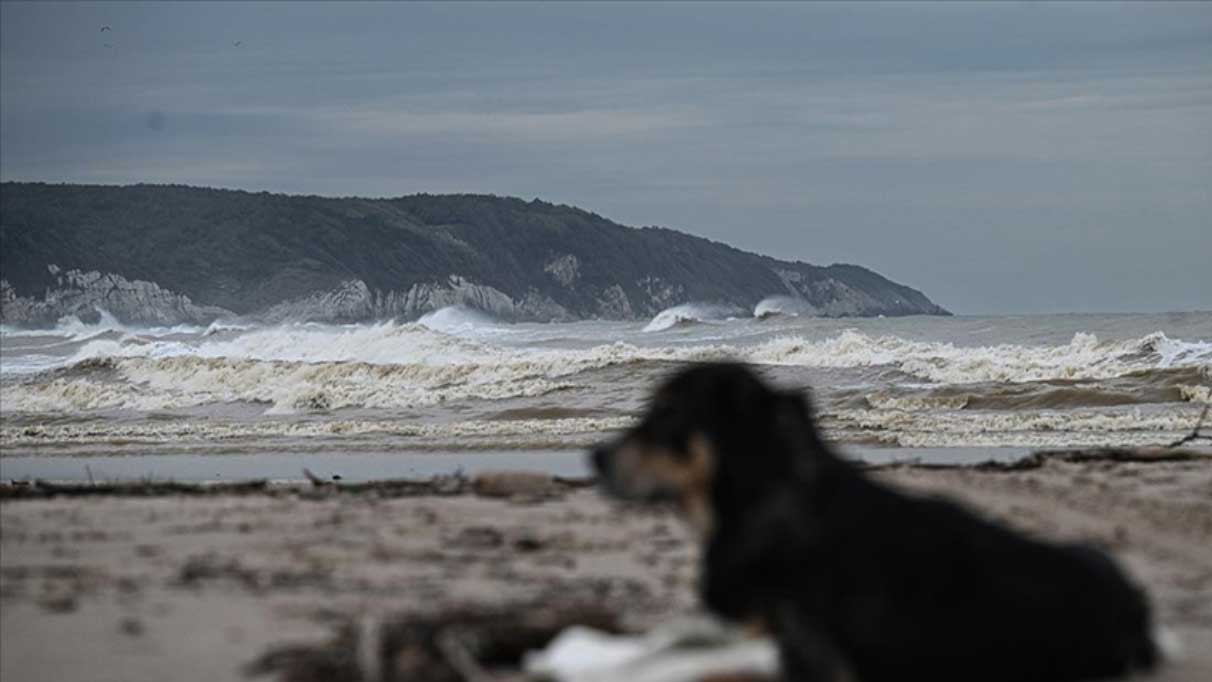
466 644
689 649
1194 435
130 626
443 485
60 603
515 484
145 488
336 661
528 543
478 537
202 569
315 480
535 640
1040 458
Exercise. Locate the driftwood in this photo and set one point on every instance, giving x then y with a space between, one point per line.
313 487
1194 435
42 489
1039 458
316 481
470 644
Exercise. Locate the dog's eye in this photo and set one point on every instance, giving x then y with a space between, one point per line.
667 431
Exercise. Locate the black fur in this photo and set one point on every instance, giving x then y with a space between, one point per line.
856 578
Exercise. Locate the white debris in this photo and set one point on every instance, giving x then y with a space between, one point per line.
681 651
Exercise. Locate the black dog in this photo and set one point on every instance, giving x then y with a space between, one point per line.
855 579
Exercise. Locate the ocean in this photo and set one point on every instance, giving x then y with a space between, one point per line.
458 390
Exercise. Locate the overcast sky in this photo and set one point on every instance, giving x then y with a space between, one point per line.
1017 157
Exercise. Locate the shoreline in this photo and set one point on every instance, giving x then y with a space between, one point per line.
391 465
157 580
136 474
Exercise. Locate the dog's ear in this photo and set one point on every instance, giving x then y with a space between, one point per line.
794 407
796 420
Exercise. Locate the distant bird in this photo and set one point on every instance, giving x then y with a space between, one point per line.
105 28
238 43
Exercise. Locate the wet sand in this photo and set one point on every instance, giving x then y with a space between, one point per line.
145 583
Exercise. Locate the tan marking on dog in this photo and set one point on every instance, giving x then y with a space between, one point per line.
687 475
755 628
696 493
644 470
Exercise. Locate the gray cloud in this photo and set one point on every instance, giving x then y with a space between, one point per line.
1003 157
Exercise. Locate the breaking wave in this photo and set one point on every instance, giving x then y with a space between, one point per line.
774 306
69 328
688 314
1082 358
457 319
390 365
219 326
73 328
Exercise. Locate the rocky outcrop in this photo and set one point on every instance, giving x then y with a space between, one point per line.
354 301
86 294
170 254
613 304
565 269
351 301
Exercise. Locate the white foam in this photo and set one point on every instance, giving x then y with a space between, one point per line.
1035 429
1044 428
1195 394
29 363
1174 353
916 403
70 326
195 430
309 366
1082 358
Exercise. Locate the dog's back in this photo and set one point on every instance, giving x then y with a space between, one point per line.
924 585
908 587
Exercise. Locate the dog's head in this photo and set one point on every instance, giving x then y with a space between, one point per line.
714 436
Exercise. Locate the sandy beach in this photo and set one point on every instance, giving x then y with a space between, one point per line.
140 582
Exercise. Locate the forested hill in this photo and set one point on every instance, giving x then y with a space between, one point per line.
168 254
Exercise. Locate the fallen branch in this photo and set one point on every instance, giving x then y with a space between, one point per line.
452 643
1194 435
316 481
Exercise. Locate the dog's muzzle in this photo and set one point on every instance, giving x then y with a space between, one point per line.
600 459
